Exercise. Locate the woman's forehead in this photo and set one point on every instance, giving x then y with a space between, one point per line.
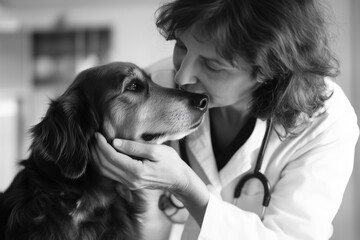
208 49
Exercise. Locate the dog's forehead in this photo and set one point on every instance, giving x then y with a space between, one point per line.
135 73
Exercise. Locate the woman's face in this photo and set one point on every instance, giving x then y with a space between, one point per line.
200 69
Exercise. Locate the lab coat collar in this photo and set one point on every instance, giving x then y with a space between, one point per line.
199 143
245 157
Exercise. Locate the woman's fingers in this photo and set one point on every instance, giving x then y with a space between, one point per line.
141 150
159 167
151 152
106 167
115 165
110 155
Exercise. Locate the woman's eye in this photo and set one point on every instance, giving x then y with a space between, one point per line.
212 67
134 86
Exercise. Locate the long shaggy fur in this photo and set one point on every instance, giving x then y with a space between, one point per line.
60 194
59 184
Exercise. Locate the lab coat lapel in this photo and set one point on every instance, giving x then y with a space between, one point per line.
245 157
199 143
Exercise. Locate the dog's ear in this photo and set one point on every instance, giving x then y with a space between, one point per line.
64 134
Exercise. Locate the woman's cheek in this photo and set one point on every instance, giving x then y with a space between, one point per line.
178 55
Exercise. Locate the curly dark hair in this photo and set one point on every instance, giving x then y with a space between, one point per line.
284 41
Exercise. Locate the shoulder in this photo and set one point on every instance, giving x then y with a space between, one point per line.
338 108
162 72
336 121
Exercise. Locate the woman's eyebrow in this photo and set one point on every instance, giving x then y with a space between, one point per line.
223 64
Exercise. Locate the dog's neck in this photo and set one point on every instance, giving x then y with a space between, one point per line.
90 192
90 181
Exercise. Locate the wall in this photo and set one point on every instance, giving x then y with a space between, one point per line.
346 30
9 113
132 24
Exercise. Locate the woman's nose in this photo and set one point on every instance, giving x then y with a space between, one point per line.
186 74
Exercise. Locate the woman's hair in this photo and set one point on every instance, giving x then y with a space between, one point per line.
285 43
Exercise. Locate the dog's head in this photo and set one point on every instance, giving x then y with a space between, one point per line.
120 101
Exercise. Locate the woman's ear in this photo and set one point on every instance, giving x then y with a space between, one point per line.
64 134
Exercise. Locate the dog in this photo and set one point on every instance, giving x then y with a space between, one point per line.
60 193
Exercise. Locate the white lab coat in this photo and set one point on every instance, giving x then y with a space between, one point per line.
308 175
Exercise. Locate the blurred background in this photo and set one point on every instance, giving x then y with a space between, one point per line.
45 43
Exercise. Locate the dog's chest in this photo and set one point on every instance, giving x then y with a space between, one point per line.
89 208
78 214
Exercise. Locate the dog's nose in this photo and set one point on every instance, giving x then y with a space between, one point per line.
201 102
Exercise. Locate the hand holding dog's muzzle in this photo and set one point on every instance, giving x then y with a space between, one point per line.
160 166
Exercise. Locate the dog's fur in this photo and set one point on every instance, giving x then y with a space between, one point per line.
60 194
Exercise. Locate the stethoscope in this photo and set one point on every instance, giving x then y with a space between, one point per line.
256 174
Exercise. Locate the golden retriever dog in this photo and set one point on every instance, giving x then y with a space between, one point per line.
60 194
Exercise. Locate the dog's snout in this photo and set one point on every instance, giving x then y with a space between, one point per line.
201 102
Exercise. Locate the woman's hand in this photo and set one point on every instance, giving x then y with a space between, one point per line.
160 167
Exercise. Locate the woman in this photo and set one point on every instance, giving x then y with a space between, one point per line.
263 64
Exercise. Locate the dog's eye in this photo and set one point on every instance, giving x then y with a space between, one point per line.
134 86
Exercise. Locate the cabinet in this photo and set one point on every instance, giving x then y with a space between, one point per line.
58 55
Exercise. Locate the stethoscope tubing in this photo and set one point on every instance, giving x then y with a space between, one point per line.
256 174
